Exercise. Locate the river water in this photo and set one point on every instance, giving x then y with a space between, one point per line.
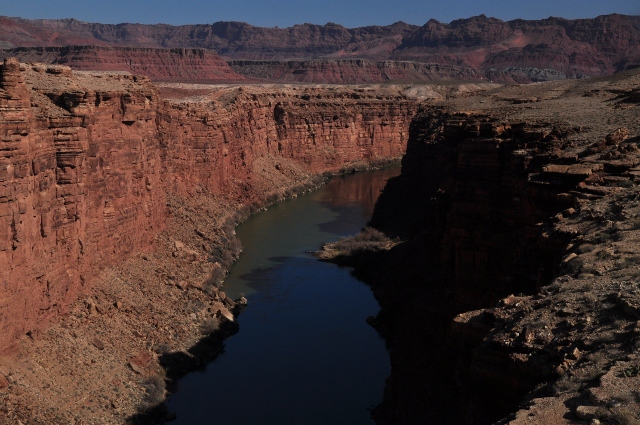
304 353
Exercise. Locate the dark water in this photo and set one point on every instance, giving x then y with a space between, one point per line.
304 353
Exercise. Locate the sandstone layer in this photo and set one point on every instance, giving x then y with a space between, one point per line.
238 40
200 65
118 203
350 71
515 285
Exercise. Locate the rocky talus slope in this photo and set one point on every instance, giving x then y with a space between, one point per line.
513 296
118 200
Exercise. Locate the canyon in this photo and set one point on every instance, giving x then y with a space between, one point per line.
509 290
119 199
475 48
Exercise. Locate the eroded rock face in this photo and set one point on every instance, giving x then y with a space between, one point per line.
351 71
573 47
516 286
87 161
232 39
469 212
513 51
155 63
74 190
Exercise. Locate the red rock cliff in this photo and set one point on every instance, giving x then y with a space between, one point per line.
155 63
75 190
87 160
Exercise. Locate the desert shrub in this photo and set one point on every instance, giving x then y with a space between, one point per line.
215 280
585 247
369 239
575 265
567 384
209 326
626 416
601 238
155 388
604 255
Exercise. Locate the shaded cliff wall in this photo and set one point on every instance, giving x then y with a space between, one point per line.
351 71
466 187
359 71
470 203
87 160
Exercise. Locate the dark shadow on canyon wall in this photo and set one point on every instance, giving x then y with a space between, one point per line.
468 211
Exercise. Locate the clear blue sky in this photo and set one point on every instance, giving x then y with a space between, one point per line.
282 13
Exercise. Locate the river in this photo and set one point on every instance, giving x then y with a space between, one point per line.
304 353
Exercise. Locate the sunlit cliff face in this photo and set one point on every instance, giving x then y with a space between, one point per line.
93 157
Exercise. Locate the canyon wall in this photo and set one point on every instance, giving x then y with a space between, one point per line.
157 64
350 71
88 160
513 275
362 71
75 183
470 218
546 49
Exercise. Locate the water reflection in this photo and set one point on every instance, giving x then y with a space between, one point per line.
361 191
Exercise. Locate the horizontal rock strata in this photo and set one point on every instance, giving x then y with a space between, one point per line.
517 50
88 159
158 64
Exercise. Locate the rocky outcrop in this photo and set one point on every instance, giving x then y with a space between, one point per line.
88 161
471 217
200 65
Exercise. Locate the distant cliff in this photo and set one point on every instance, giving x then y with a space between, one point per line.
158 64
548 49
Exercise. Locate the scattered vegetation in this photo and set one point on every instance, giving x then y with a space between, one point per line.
369 239
632 371
155 387
568 384
626 416
586 247
209 326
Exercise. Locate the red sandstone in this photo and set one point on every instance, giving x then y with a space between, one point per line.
88 159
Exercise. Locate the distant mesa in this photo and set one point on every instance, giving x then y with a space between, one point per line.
478 47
